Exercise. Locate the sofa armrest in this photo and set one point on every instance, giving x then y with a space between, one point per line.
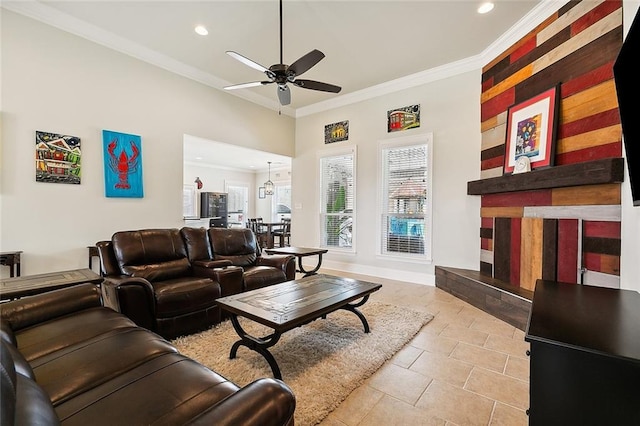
210 264
42 307
286 262
265 402
132 296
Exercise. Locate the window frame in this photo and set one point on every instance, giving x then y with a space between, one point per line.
381 202
329 153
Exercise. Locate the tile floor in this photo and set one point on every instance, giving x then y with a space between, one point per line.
465 367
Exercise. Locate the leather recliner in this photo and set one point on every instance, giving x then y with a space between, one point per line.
148 277
239 246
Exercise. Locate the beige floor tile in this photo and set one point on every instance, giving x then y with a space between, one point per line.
437 324
406 356
476 355
514 347
433 342
392 412
442 368
353 409
455 404
463 334
499 387
492 325
405 385
517 367
504 415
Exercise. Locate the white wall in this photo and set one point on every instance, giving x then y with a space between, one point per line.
54 81
630 255
450 109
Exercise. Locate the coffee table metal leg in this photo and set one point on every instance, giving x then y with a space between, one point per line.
352 307
314 270
258 344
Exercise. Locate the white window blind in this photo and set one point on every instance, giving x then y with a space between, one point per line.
405 198
337 200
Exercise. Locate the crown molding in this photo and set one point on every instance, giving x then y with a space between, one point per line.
51 16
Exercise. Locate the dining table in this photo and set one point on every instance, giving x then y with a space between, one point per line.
270 227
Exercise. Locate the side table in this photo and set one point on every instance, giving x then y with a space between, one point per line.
14 288
12 260
301 252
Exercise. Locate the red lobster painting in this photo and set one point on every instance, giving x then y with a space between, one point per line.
122 165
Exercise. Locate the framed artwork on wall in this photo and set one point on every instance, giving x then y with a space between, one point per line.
261 192
122 164
57 158
531 130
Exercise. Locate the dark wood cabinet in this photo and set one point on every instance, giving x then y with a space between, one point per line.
585 355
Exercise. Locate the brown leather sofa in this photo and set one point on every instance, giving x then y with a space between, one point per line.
149 278
66 359
167 280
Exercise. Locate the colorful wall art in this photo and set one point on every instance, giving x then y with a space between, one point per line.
122 164
57 158
336 132
403 118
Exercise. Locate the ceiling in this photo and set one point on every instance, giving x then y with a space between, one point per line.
368 45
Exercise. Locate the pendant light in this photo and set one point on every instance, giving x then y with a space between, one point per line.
268 185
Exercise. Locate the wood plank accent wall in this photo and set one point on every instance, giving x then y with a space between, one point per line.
576 48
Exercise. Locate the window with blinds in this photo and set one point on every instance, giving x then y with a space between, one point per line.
337 200
406 195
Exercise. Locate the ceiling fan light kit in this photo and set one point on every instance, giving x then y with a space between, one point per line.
283 74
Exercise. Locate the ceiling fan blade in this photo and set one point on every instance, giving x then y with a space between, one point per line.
317 85
284 94
306 62
247 61
246 85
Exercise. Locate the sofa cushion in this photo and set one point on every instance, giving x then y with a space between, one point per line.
197 244
262 276
167 390
50 336
160 271
184 295
237 245
67 374
154 254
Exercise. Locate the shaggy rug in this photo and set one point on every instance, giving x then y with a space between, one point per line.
322 361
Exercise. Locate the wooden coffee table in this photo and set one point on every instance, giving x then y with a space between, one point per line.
283 307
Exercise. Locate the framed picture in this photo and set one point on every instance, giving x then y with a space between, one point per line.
531 130
261 193
336 132
122 164
403 118
57 158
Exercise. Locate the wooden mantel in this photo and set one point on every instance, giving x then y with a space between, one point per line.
607 170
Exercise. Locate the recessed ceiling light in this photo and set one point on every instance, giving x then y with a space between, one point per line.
485 7
201 30
198 158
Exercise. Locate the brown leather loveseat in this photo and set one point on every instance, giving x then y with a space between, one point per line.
66 359
167 280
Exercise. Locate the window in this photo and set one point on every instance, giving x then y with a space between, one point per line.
282 201
237 202
337 200
406 197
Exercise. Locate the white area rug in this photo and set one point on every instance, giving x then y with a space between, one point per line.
322 361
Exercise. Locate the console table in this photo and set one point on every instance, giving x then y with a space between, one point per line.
13 288
585 355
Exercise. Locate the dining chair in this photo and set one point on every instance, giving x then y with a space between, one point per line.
284 233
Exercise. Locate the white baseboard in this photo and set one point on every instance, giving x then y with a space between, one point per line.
390 274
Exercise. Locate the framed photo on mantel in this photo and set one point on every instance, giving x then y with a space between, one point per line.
531 130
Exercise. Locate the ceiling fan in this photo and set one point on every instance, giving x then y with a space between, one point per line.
282 74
